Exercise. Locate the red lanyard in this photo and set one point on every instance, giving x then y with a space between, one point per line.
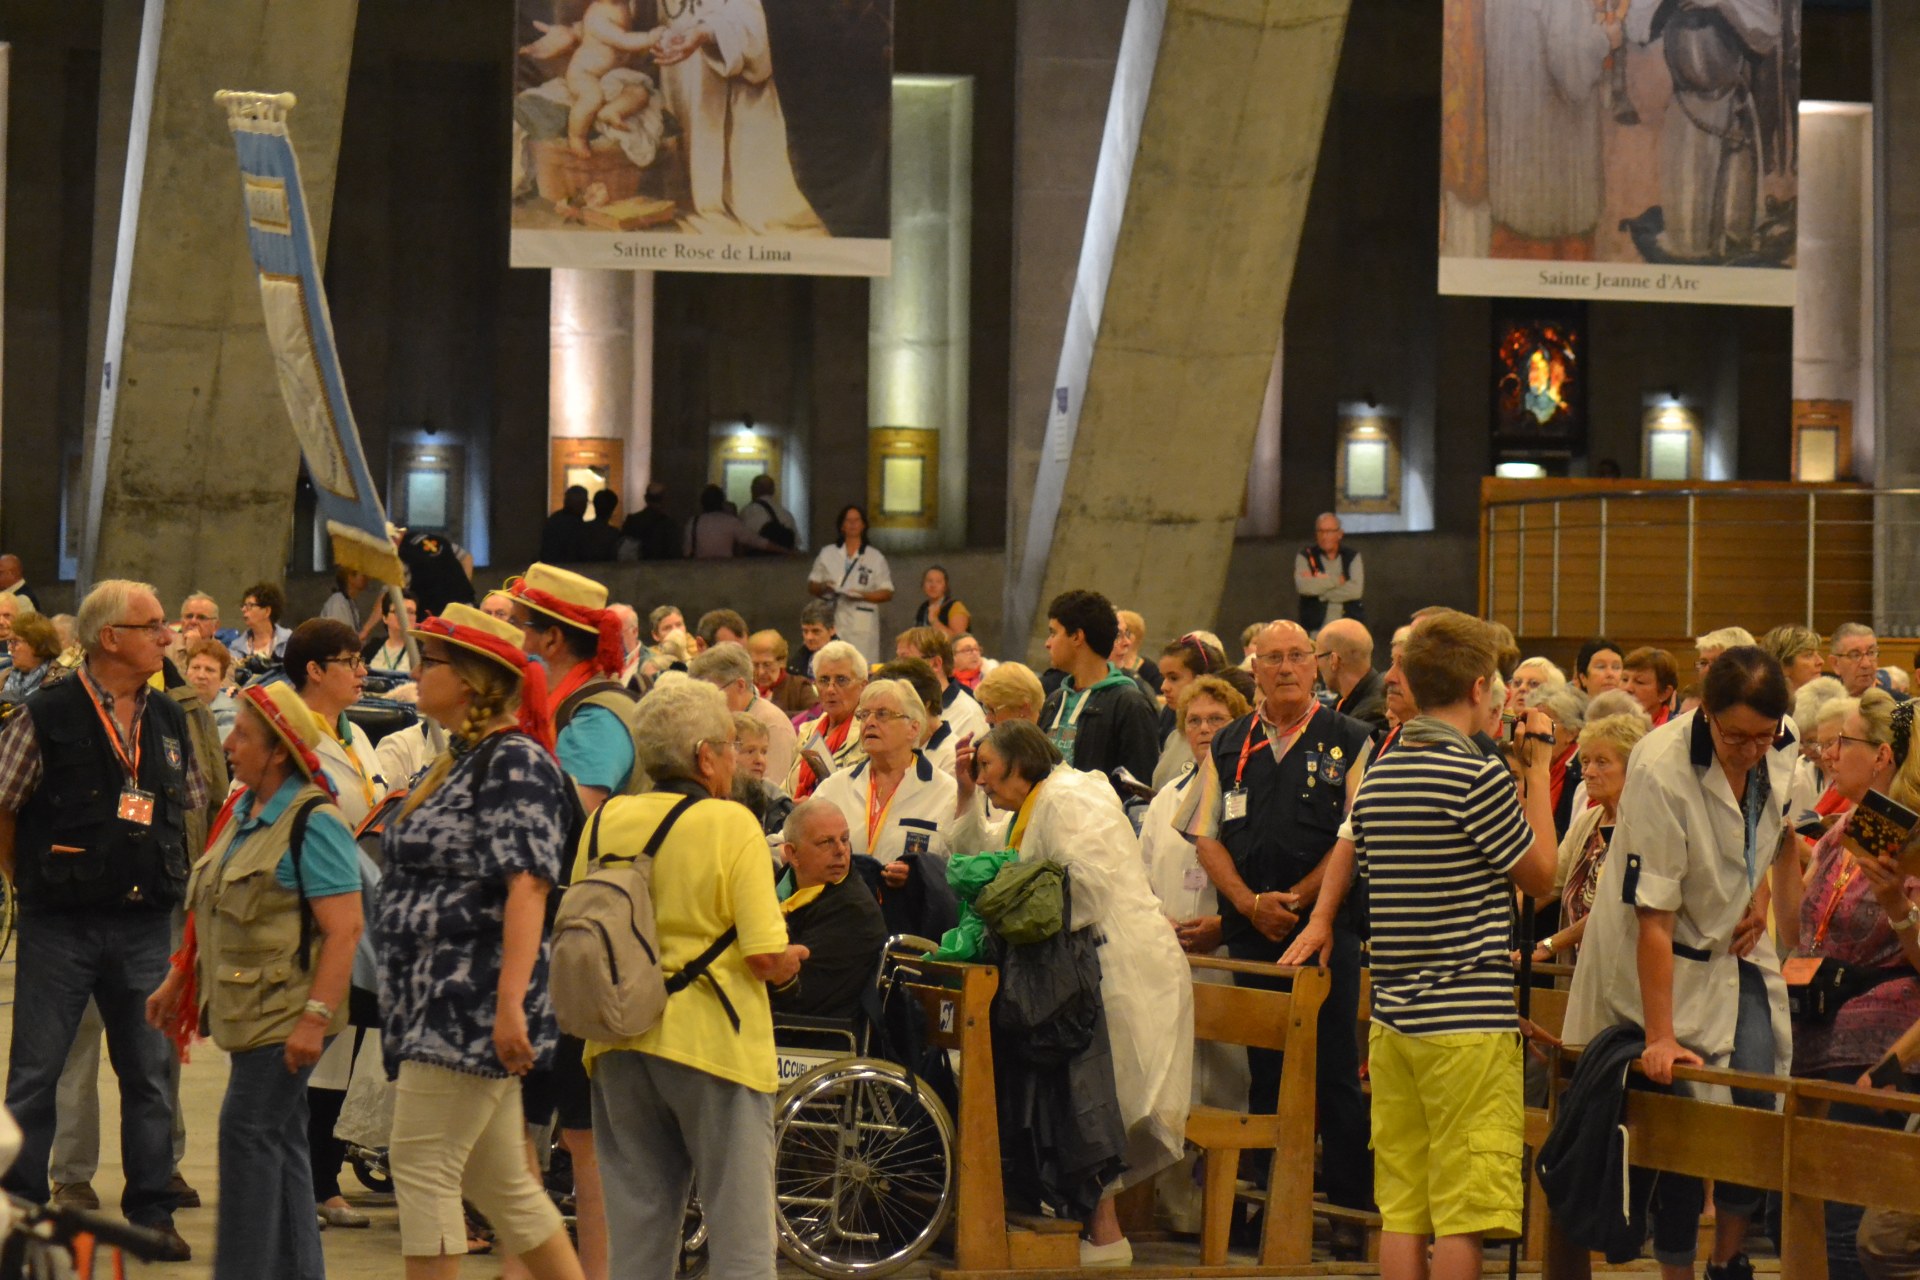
130 763
1833 903
1246 748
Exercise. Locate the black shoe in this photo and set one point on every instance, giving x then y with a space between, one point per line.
184 1196
176 1250
75 1195
1735 1268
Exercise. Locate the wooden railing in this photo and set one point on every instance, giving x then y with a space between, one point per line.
1652 558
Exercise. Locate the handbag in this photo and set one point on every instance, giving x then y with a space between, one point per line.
1024 902
1817 987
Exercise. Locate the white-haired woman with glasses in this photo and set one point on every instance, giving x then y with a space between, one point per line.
895 801
832 742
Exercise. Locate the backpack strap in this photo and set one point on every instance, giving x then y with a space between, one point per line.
298 839
698 967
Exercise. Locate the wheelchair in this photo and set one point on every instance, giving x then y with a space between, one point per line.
863 1147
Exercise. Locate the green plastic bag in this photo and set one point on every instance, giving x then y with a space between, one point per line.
1023 904
969 874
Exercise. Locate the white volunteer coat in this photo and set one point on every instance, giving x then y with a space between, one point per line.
855 621
916 820
1220 1076
1679 817
357 781
1077 821
963 712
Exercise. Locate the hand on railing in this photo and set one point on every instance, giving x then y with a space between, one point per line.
1661 1055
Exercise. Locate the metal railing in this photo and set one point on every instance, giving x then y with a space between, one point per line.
1588 530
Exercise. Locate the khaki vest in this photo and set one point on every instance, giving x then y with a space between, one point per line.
627 707
253 988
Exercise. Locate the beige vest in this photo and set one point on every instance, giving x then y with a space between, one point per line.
253 988
627 708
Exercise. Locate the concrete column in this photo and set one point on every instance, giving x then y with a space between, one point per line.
1833 304
1896 339
640 407
1065 52
918 322
600 367
1261 516
1184 270
192 463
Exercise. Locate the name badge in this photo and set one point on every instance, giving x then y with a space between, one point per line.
1236 805
918 842
136 806
1195 879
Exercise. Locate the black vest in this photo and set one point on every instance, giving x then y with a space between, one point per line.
77 806
1313 610
1294 810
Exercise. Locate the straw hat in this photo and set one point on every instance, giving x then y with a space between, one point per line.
497 641
561 594
294 724
574 600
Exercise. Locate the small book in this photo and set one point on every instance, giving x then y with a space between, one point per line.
1879 825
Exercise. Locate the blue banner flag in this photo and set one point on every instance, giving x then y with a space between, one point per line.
301 334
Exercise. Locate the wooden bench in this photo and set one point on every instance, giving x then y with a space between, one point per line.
1283 1021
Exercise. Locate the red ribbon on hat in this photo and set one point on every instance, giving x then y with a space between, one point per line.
535 719
309 760
610 658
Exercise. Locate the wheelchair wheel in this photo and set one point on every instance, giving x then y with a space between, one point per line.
693 1243
371 1168
863 1168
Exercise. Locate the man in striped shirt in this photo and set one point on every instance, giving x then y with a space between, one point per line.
1442 837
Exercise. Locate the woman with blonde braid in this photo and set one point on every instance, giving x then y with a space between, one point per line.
469 863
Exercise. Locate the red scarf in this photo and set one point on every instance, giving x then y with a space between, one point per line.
805 782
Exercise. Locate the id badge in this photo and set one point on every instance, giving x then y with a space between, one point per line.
136 806
1195 880
1236 805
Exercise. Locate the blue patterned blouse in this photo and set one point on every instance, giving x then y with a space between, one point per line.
443 901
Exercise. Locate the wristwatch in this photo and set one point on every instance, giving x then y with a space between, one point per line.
320 1009
1908 923
1546 944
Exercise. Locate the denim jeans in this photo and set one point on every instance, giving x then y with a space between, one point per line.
117 958
267 1225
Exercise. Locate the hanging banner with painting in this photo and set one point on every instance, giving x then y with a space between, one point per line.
1627 149
703 135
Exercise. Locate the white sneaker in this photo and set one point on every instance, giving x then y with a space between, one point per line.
1117 1254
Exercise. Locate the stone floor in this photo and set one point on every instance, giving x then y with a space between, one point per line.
354 1255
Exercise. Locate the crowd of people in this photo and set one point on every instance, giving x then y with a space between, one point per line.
179 807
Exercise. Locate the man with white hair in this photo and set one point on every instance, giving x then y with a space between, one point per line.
830 911
1856 656
96 781
729 668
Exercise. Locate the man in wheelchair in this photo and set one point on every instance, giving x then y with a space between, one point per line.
829 911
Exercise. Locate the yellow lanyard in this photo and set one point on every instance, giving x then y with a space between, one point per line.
1025 815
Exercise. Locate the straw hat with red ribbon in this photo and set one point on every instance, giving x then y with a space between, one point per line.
294 724
496 640
574 600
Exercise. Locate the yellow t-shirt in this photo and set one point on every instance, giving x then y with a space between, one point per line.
712 872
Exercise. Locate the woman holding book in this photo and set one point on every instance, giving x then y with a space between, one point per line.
1864 913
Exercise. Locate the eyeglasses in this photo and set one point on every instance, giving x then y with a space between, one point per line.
835 682
1748 740
1322 657
353 662
1292 658
879 716
1868 743
425 662
1209 722
158 627
728 744
1858 654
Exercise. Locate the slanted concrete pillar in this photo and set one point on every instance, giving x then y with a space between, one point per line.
1206 162
194 486
1896 445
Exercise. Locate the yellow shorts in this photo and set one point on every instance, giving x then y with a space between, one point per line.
1448 1119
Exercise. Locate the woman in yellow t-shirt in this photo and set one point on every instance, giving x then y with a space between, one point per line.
693 1097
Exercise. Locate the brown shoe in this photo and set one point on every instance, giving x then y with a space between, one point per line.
176 1249
184 1196
75 1195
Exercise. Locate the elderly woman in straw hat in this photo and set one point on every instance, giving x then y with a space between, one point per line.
274 916
467 867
